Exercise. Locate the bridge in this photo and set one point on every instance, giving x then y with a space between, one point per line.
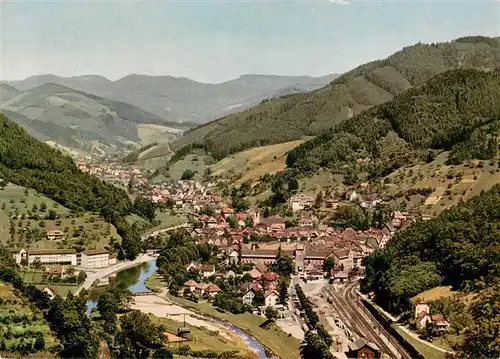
139 294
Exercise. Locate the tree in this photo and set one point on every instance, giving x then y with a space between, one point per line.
69 320
187 175
313 347
82 276
324 335
144 208
271 313
163 353
481 335
283 290
43 207
258 299
39 343
248 221
138 335
3 184
37 263
232 222
328 265
284 264
52 214
319 200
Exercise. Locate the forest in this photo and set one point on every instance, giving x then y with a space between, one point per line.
294 116
460 247
458 111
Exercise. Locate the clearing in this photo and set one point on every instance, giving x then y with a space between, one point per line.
255 162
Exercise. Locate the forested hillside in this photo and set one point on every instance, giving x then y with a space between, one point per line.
294 116
458 111
33 164
460 248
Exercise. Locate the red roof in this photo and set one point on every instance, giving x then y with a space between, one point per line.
271 276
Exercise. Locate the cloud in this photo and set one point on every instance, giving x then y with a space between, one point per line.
342 2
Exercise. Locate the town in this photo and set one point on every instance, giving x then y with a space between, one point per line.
248 245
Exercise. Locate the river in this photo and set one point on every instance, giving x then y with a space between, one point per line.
134 280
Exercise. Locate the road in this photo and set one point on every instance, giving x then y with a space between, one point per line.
96 274
361 323
155 233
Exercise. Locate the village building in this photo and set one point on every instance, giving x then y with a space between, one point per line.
300 202
19 254
50 291
93 258
362 349
52 257
271 298
55 234
351 195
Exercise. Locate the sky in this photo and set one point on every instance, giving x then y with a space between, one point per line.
215 41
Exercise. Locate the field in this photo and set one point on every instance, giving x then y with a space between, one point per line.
88 231
435 293
4 227
280 343
203 339
255 162
20 200
197 162
21 322
427 351
35 278
450 184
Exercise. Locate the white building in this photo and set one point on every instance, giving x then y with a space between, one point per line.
53 257
248 297
18 254
271 298
300 202
93 258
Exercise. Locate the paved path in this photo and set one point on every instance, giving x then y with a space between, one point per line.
95 274
155 233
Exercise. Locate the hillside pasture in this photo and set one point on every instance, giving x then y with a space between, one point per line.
255 162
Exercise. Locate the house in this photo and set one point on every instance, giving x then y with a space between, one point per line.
340 276
369 202
55 234
199 289
248 296
422 317
272 224
52 257
190 285
331 203
50 291
351 195
305 221
233 256
300 202
212 290
271 298
207 270
363 349
441 323
255 273
56 271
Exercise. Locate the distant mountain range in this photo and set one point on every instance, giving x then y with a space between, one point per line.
181 99
76 119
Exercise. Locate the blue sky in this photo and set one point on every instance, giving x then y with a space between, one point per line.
214 41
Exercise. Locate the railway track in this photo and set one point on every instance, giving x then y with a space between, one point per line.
351 310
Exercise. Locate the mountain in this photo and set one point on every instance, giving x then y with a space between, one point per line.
294 116
7 92
181 99
456 111
77 119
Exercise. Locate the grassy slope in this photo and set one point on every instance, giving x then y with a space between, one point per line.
436 175
255 162
16 305
294 116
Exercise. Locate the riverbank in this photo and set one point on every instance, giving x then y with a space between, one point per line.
97 274
280 343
